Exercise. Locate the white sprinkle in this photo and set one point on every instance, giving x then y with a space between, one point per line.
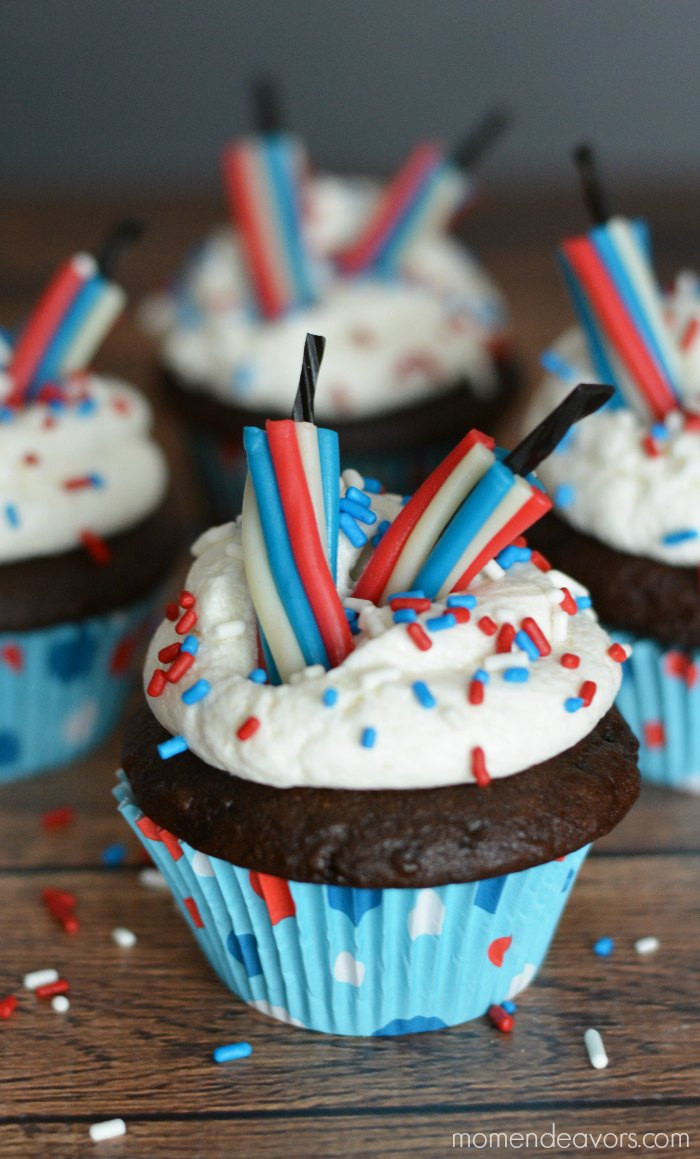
559 627
313 672
378 677
152 879
60 1004
228 629
647 945
39 978
370 622
109 1129
595 1048
493 570
497 661
555 596
123 937
353 478
356 605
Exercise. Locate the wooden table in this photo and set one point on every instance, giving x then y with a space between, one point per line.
143 1022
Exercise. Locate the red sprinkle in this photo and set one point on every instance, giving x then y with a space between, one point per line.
587 691
520 541
60 986
58 818
171 611
179 667
654 734
651 447
420 637
570 660
690 333
461 615
31 459
8 1006
691 423
97 548
417 603
487 626
617 652
168 654
533 630
78 483
475 694
156 685
186 622
480 774
501 1019
568 604
58 898
540 561
248 728
186 599
505 637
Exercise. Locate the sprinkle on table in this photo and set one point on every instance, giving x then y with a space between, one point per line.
232 1051
596 1051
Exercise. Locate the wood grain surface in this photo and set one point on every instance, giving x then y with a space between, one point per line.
143 1022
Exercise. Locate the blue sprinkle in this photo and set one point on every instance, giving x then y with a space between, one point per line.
56 405
258 676
553 363
114 855
509 1007
97 480
12 514
674 537
358 511
369 737
350 529
573 703
85 407
355 628
406 499
190 644
405 616
232 1051
381 532
330 697
6 414
481 675
373 486
527 645
351 615
603 947
418 594
358 496
583 602
659 432
423 694
440 623
172 746
564 495
196 692
458 601
511 555
516 675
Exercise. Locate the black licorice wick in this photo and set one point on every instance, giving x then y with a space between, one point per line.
119 238
594 194
267 106
303 409
584 400
469 152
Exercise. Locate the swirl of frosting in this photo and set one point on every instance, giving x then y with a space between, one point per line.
414 704
83 461
390 341
635 488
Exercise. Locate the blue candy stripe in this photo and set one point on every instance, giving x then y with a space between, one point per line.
391 252
329 455
280 165
79 311
597 348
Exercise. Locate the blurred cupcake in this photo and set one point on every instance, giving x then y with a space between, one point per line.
417 331
626 485
87 531
374 829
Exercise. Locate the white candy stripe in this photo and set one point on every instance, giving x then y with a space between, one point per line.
269 221
270 610
511 503
437 515
307 440
103 314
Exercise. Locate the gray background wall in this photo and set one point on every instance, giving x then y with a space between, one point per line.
142 93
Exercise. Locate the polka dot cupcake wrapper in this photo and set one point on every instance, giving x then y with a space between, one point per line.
221 467
660 700
362 961
62 688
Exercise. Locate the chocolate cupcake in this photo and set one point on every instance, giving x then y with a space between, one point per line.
87 528
371 804
418 333
626 485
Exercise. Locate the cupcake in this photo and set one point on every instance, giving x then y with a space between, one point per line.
417 331
626 484
370 803
87 529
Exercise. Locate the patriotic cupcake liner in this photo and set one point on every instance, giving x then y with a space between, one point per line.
660 700
361 961
62 688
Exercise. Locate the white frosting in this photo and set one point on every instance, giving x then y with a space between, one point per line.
301 741
390 342
41 448
605 483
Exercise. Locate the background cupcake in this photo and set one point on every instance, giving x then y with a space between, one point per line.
626 485
418 345
87 531
374 829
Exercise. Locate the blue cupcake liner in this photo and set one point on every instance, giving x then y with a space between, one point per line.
660 700
62 688
361 961
221 467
